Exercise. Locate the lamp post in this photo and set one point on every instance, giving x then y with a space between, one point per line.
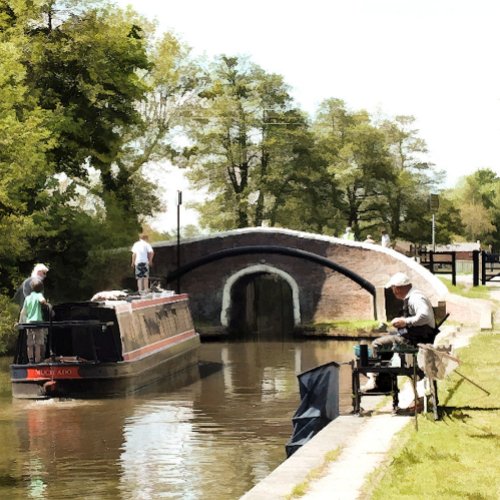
179 203
434 206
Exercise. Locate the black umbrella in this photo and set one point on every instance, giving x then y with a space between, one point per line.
319 394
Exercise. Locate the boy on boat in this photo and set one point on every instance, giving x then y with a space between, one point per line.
32 313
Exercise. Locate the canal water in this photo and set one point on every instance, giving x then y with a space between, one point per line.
212 439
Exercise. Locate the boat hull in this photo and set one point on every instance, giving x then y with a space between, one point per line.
82 380
158 343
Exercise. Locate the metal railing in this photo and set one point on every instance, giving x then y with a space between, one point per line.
485 265
490 266
440 263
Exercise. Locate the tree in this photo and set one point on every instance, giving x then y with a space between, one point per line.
174 81
478 198
25 173
72 74
407 192
302 199
448 221
357 160
243 145
84 66
477 223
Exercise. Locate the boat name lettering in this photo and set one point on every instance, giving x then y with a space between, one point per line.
68 372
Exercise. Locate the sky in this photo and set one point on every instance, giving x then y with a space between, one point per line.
436 60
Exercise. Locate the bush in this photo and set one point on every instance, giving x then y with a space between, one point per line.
9 313
102 270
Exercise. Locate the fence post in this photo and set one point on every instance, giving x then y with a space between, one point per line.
431 261
483 267
475 268
454 268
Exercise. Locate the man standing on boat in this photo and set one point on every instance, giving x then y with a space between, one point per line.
40 272
142 260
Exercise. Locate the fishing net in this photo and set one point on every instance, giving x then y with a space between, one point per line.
436 362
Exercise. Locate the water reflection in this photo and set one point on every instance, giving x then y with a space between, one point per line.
212 439
62 444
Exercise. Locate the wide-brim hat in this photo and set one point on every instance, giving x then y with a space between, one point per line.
398 279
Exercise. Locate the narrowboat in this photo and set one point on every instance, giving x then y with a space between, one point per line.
108 347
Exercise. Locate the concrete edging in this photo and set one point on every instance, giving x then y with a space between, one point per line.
360 453
294 471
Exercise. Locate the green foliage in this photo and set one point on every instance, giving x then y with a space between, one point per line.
225 156
74 242
106 271
9 313
249 144
25 173
358 162
408 214
305 197
173 83
448 220
87 67
71 76
478 198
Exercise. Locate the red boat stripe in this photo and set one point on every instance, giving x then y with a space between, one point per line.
52 372
157 346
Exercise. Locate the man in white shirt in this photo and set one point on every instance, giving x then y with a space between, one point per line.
348 235
385 240
415 325
142 260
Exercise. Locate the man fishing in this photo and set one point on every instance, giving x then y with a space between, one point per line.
415 325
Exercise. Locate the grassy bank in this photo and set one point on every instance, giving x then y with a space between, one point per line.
458 456
466 290
354 328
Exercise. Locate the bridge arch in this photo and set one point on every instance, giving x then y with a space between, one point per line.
271 249
259 268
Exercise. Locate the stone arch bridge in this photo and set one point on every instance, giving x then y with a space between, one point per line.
255 278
